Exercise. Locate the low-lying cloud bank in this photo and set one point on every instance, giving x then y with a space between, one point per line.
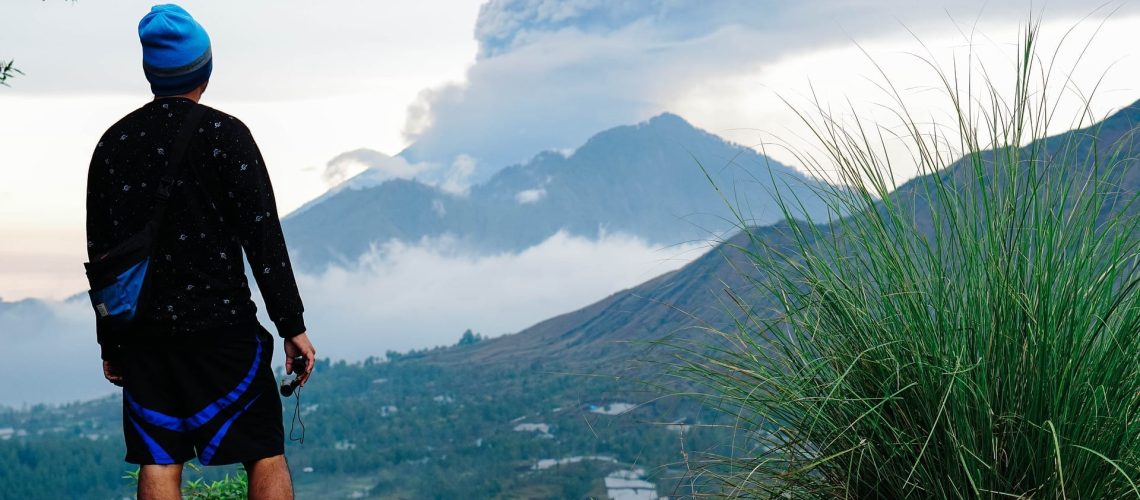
413 296
50 354
399 297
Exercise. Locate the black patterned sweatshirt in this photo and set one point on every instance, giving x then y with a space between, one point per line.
222 203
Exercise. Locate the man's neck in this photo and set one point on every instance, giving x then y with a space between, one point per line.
194 95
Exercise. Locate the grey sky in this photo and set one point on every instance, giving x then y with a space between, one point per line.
471 85
552 72
311 79
267 50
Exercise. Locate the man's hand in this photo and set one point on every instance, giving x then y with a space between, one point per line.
112 373
298 346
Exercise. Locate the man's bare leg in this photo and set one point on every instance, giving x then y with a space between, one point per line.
269 479
160 482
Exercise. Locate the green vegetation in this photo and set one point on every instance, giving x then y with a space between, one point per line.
200 488
60 467
398 429
7 71
972 334
412 429
469 338
227 488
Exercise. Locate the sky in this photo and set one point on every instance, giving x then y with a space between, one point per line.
471 86
311 79
449 91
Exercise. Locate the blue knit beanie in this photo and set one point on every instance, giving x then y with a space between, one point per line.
176 50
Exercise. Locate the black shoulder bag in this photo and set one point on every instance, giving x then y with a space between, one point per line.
118 277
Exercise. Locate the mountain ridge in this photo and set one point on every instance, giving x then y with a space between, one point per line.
647 180
667 305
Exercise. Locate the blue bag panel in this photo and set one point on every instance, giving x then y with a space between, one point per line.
120 299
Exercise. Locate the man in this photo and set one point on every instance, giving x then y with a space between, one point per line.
195 368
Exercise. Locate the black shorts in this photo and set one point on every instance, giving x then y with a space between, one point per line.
212 396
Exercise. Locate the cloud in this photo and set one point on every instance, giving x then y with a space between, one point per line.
404 297
530 195
399 297
550 73
365 168
503 23
457 180
52 343
377 167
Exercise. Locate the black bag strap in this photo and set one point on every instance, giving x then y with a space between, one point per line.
174 166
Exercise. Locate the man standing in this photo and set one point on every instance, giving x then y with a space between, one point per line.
195 367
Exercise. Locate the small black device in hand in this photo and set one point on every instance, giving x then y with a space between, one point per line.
300 365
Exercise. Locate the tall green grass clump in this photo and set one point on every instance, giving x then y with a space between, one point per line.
974 333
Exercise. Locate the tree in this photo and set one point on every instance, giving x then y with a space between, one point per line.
469 338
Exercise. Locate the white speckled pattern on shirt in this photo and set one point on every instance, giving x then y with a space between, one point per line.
222 204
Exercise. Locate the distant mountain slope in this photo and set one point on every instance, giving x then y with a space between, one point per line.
644 180
695 295
622 325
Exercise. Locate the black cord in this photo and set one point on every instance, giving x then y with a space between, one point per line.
297 419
